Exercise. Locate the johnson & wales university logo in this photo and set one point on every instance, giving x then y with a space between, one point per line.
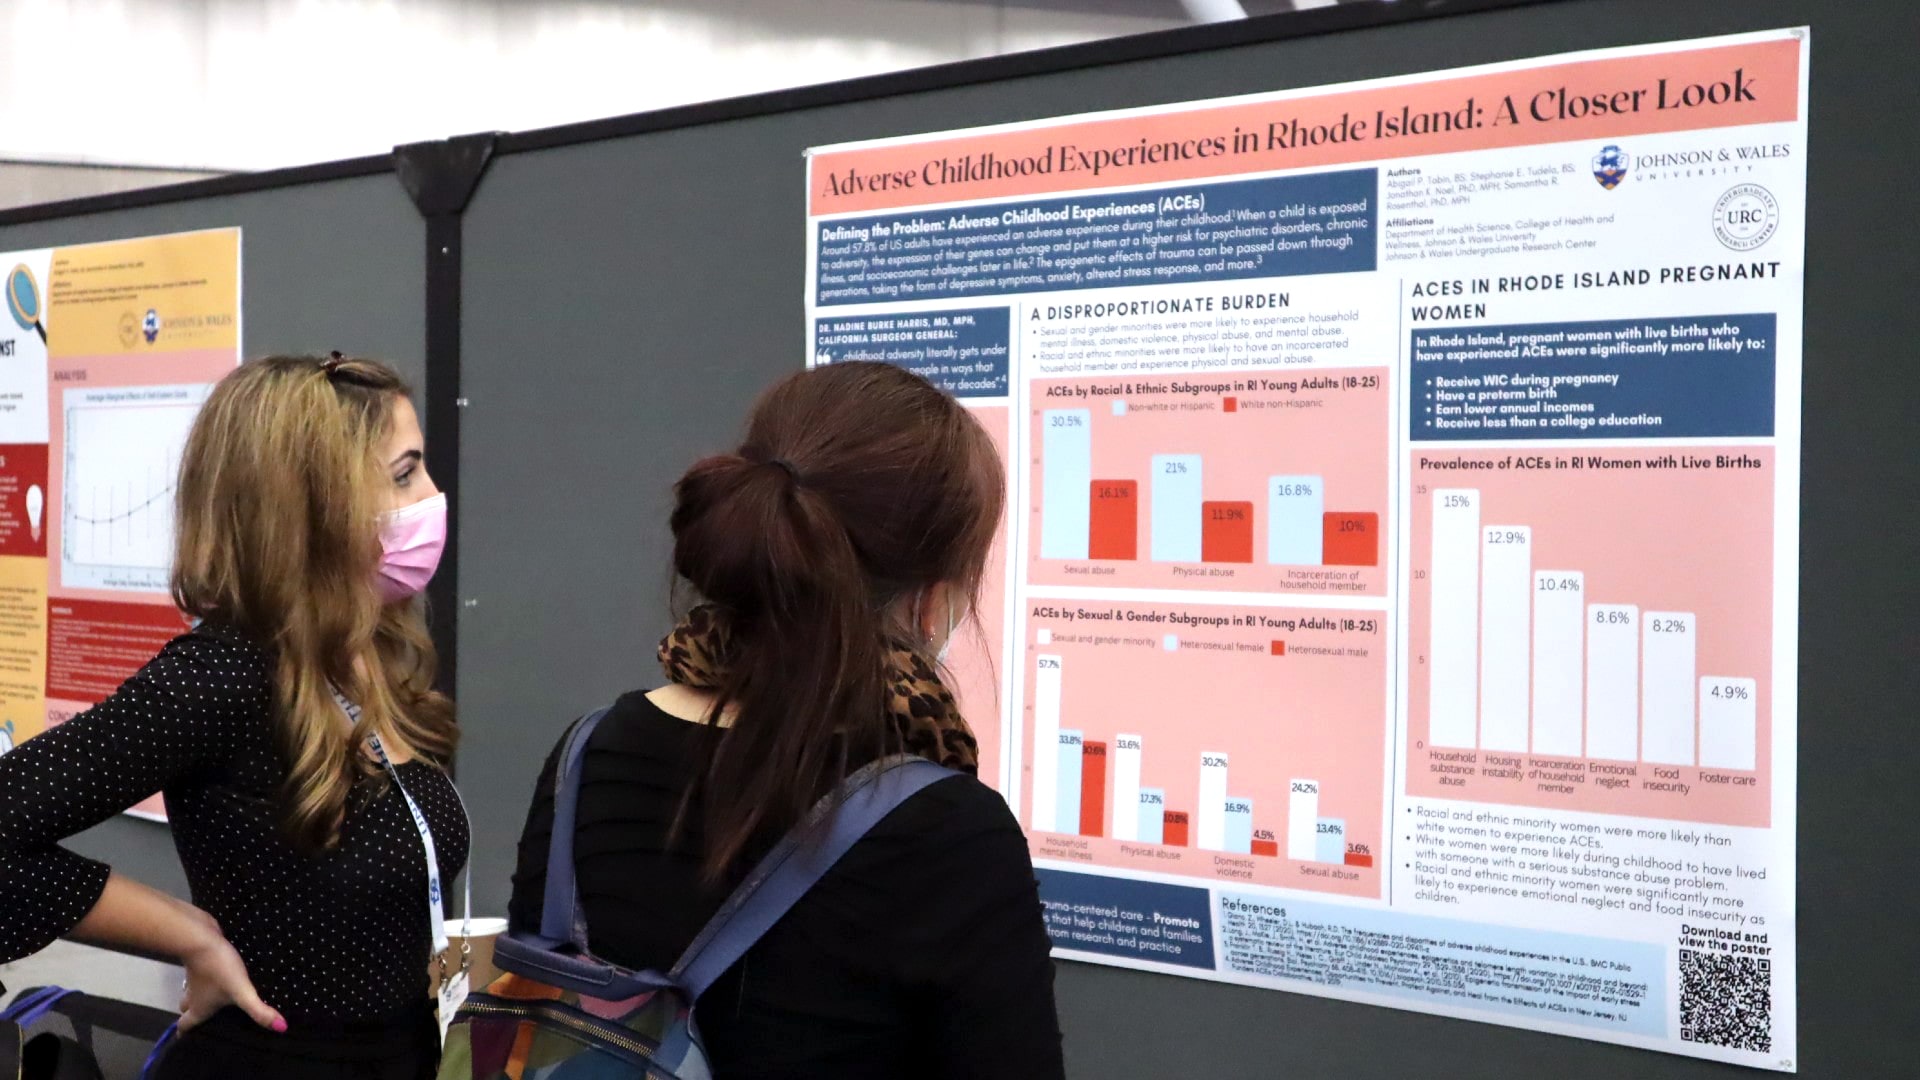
1610 166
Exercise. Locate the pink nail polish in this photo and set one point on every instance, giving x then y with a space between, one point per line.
279 1025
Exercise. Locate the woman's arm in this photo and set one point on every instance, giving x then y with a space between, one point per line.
530 871
133 918
974 949
188 709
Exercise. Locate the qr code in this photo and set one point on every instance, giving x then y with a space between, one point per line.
1726 1000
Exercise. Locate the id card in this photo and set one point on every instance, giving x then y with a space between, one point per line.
452 996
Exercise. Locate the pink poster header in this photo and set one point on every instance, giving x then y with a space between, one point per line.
1611 97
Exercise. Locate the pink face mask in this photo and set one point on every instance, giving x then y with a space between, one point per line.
411 540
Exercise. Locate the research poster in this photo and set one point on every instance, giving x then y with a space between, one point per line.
106 353
1397 597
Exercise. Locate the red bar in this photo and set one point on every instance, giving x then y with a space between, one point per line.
1093 788
1174 832
1350 539
1279 648
1354 858
1269 848
1114 527
1226 532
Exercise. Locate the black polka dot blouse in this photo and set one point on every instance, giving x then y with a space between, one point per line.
338 936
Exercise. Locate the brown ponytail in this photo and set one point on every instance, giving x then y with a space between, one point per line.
859 485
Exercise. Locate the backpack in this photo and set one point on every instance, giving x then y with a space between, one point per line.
47 1055
559 1012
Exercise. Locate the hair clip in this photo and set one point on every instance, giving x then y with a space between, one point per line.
332 363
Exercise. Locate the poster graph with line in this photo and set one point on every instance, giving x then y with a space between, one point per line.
122 456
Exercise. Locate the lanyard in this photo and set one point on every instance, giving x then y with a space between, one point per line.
436 918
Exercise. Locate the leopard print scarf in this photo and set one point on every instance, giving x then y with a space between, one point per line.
923 710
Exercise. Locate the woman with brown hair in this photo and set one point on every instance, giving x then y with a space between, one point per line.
833 556
294 732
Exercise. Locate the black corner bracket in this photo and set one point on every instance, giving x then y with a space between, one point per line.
441 178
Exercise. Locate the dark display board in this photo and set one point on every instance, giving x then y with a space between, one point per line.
629 286
627 297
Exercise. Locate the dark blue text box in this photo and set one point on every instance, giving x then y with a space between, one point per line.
1140 920
1704 376
1322 223
962 352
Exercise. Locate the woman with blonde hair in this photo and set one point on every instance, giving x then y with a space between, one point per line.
295 734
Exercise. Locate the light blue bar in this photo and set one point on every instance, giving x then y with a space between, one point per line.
1330 836
1295 520
1066 483
1153 815
1239 826
1072 764
1177 496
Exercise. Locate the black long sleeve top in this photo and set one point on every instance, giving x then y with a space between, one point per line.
342 935
922 954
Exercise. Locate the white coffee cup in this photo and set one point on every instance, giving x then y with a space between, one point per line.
479 937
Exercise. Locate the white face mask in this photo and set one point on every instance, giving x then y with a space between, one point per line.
946 643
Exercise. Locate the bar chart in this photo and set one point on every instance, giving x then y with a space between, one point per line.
1196 741
1593 635
1149 484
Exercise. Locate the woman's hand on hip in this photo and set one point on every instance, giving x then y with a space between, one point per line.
217 978
135 918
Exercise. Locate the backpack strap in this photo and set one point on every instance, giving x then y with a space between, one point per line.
41 1003
797 862
28 999
561 919
159 1048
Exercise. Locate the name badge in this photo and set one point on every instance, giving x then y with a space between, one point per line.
453 994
